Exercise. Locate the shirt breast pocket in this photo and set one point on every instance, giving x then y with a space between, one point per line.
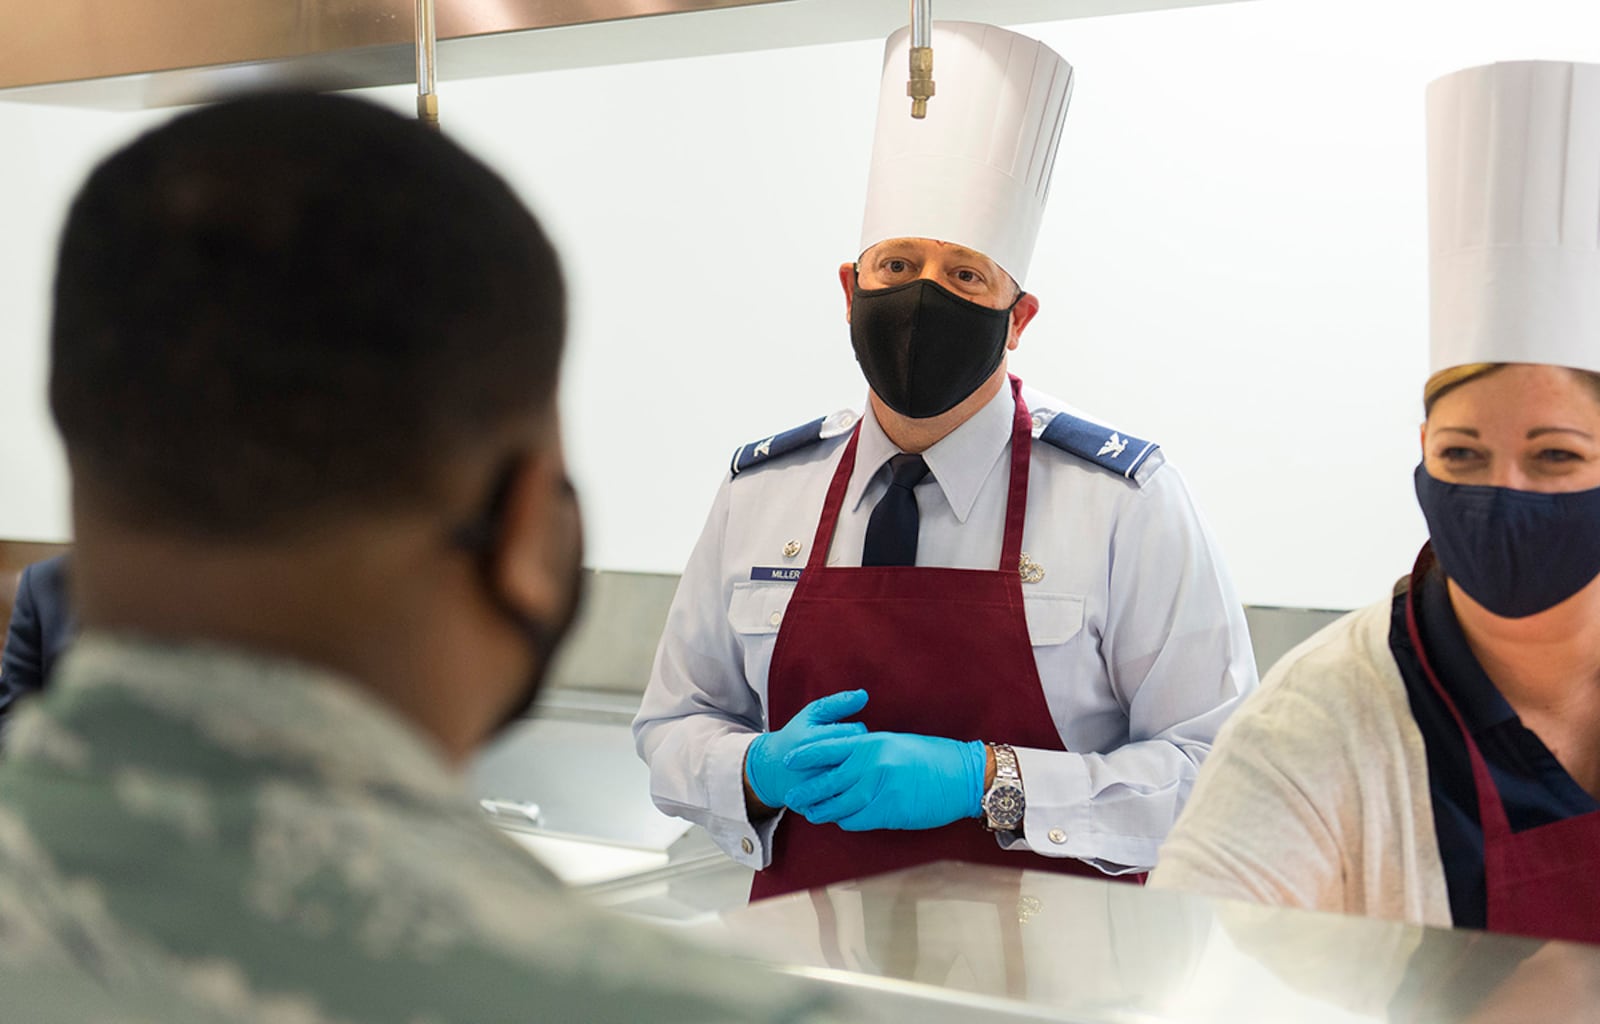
755 613
1053 619
757 608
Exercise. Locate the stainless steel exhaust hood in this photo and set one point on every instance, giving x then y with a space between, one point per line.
147 53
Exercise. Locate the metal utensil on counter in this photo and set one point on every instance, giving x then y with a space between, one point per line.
515 812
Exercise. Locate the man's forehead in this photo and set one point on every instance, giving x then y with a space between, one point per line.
892 246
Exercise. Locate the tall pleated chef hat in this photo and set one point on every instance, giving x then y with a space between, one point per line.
1514 215
976 171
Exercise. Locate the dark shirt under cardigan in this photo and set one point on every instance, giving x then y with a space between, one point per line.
1535 788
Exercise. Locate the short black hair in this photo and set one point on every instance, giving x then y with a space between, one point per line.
283 306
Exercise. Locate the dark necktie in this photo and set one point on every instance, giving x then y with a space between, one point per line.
892 530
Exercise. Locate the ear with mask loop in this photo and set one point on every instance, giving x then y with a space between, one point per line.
482 537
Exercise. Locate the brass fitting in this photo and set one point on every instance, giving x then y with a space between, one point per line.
428 110
920 88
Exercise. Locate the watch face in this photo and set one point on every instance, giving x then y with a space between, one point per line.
1004 806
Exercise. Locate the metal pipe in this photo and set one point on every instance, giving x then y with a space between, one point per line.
920 87
922 23
427 43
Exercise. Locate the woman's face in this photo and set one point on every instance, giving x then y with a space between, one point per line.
1525 426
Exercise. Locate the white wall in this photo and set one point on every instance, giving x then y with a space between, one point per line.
1233 264
44 154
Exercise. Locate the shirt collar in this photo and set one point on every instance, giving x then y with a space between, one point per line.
959 463
314 724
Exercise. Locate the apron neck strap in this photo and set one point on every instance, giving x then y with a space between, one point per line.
1491 810
1016 498
831 505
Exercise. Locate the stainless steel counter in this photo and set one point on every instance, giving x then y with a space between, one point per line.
964 943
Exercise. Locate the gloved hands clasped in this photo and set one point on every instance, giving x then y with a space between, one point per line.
889 780
834 771
770 779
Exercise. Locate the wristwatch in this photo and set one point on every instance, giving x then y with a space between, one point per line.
1004 803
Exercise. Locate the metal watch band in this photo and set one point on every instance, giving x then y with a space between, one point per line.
1005 765
1004 801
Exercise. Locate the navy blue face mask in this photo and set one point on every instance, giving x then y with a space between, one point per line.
1517 553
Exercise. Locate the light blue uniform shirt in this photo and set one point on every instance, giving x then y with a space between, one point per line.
1140 642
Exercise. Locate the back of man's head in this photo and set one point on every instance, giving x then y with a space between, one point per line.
305 356
287 308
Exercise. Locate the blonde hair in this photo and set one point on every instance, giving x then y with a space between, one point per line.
1450 378
1447 380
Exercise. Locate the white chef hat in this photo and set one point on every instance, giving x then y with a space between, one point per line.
1514 215
976 171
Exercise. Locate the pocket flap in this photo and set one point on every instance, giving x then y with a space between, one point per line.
758 607
1052 618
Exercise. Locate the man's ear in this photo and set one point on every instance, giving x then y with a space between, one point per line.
1022 314
847 278
541 536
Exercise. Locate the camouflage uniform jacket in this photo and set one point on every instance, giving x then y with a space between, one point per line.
271 844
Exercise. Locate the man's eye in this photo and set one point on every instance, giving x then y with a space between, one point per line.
896 266
969 277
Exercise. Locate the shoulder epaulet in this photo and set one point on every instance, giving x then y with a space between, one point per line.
1119 452
803 436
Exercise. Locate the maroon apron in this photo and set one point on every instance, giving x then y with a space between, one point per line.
1542 882
940 652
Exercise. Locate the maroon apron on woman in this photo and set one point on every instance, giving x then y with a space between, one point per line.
940 652
1542 882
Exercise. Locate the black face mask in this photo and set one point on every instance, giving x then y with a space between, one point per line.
923 349
482 537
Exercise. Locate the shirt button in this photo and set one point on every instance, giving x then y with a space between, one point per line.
776 618
1056 836
747 846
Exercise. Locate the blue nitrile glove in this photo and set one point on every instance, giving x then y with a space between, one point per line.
819 720
889 780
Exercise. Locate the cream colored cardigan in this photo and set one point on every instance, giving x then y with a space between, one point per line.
1315 794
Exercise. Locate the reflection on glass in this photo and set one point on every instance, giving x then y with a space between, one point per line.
1042 946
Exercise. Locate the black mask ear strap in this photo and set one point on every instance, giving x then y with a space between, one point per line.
482 537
